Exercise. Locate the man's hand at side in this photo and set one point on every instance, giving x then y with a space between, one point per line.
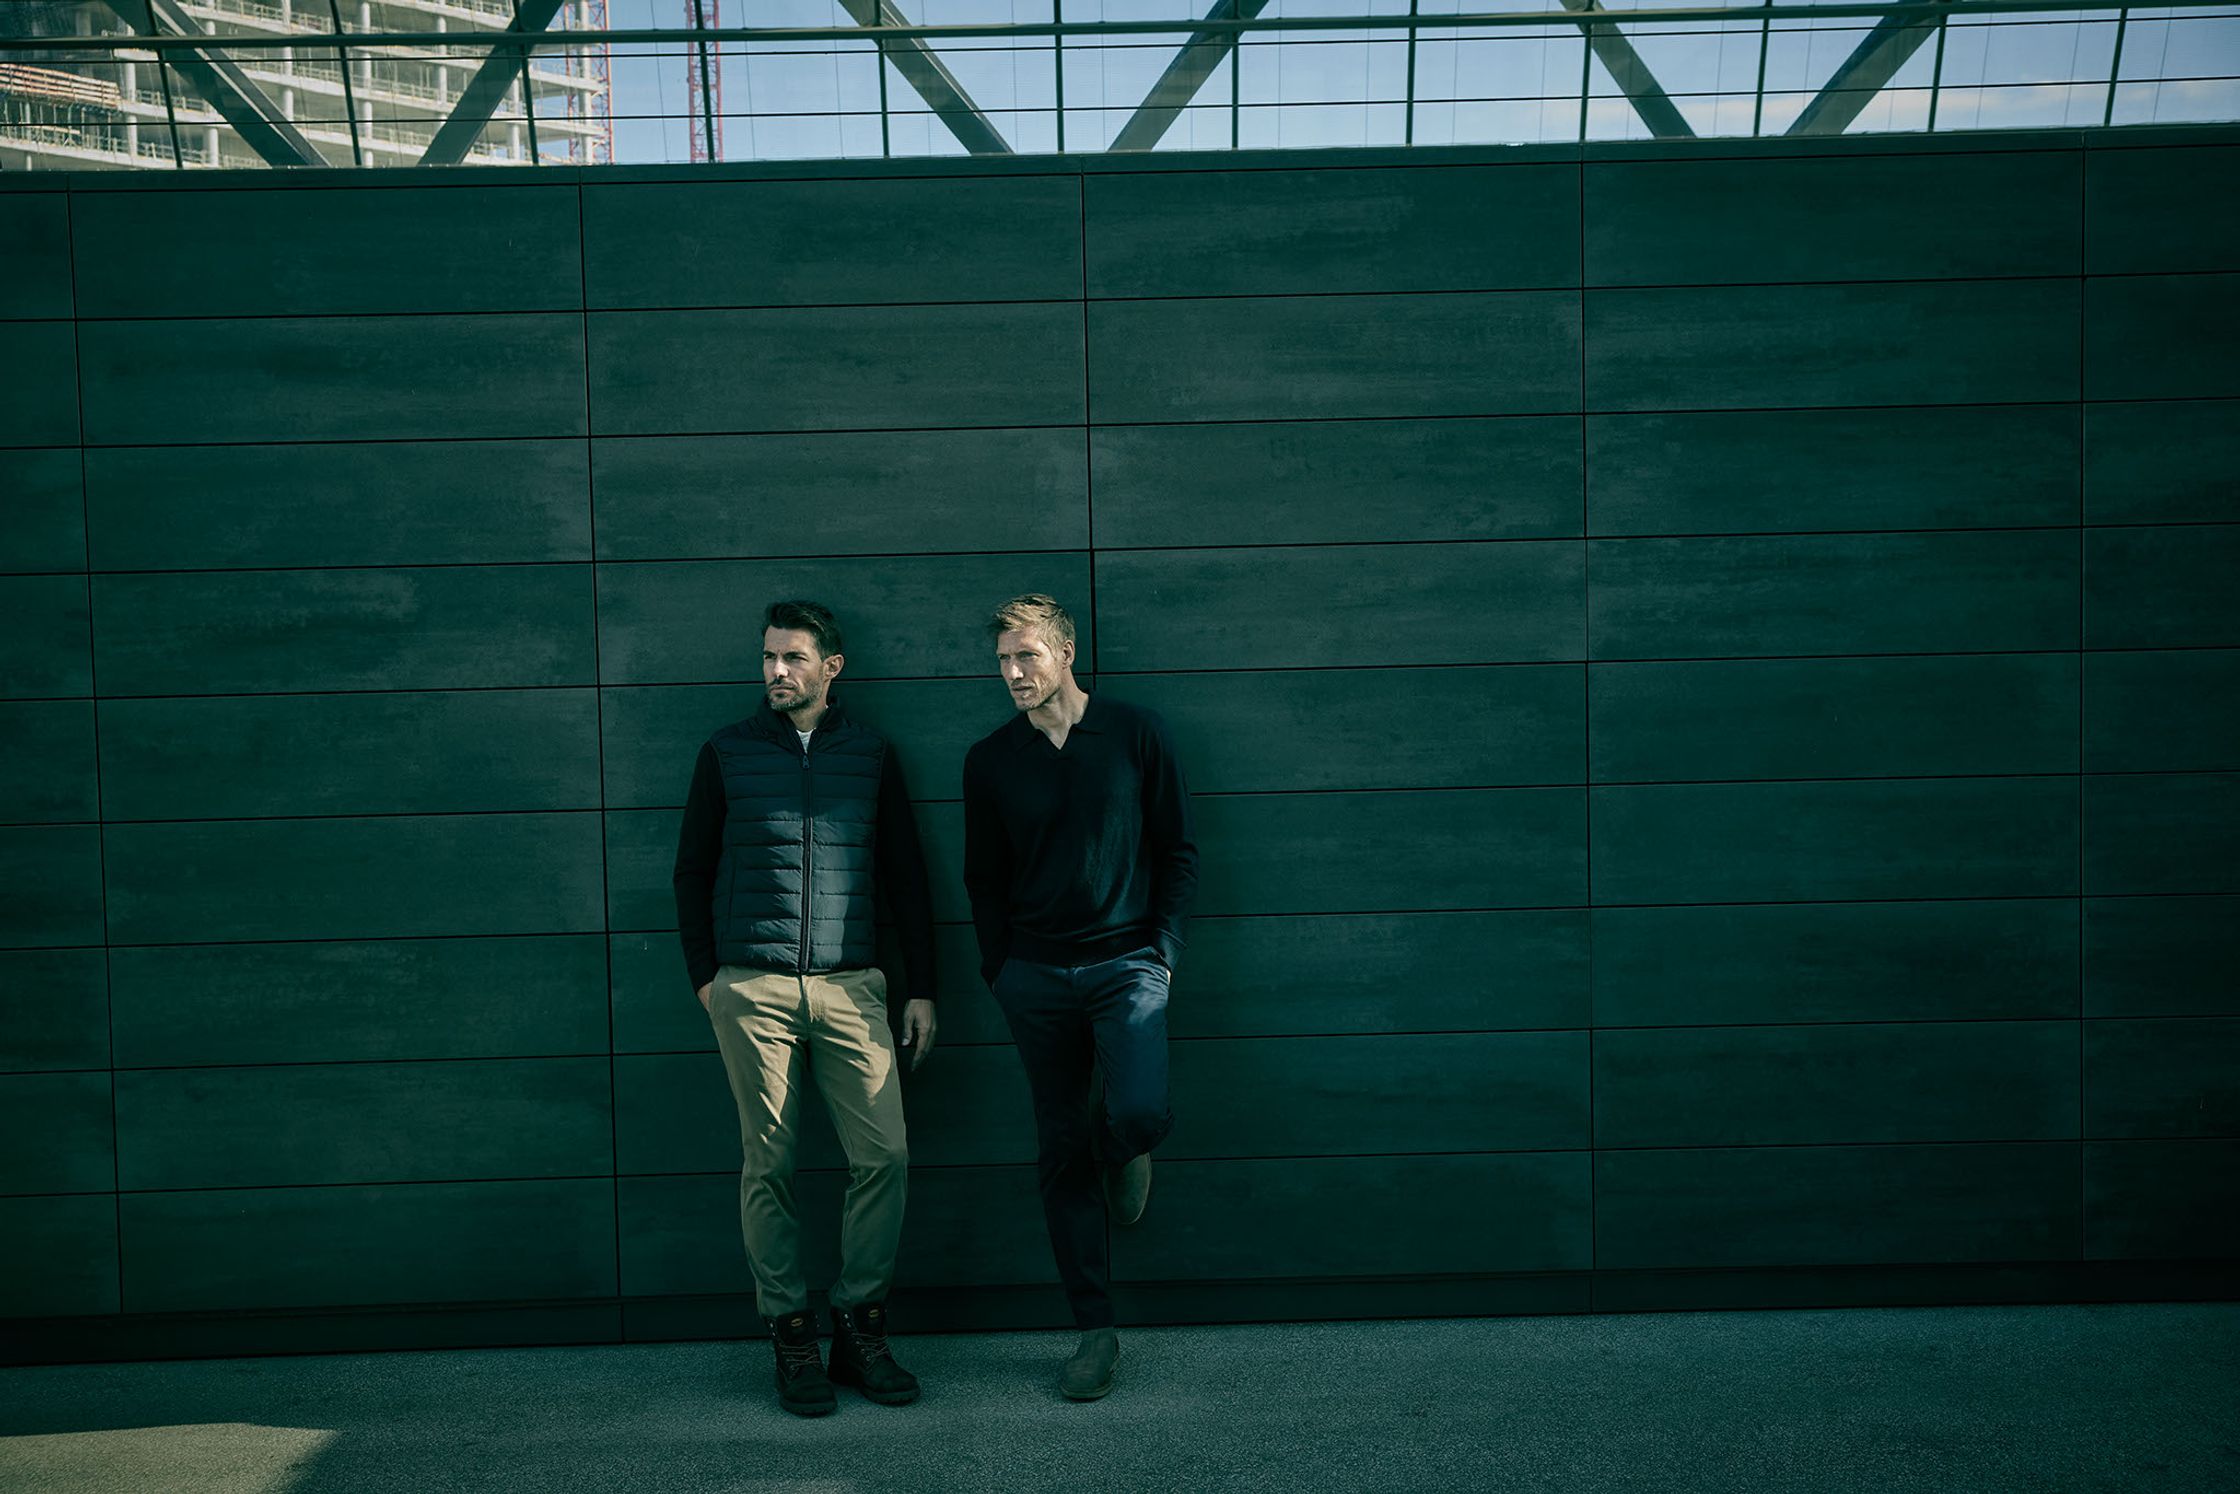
704 990
918 1025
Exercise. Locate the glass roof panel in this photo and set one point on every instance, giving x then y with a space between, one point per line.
263 83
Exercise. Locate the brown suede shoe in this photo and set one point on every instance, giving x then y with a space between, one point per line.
1088 1374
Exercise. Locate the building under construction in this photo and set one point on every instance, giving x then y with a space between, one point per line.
295 105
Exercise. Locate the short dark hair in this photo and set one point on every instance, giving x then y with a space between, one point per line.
813 618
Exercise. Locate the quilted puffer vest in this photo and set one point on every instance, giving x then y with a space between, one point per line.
794 887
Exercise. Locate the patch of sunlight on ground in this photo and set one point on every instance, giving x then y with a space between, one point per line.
232 1457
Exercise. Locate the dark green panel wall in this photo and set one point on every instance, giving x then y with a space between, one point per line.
658 246
1709 680
327 252
357 503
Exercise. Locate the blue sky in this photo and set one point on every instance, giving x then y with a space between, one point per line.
1347 88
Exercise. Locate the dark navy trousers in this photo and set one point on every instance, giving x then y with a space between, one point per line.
1074 1024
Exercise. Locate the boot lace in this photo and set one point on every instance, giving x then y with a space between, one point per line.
797 1357
871 1343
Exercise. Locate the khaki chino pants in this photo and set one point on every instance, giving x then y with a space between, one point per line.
774 1030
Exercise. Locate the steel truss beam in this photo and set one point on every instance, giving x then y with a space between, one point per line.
1185 75
1631 74
1869 68
500 70
1900 29
1208 48
1711 12
238 100
926 72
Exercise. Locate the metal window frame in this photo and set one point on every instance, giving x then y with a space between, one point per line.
1785 10
209 63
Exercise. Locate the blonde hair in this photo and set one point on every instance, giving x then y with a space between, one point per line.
1036 611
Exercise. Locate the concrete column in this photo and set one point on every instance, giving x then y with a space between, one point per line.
130 83
443 72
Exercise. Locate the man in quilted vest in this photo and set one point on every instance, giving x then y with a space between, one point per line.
797 821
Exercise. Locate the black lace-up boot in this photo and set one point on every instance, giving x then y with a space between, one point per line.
803 1387
860 1356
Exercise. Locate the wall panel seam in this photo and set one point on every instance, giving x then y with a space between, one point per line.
93 692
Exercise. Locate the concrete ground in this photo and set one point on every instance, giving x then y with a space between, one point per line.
2131 1398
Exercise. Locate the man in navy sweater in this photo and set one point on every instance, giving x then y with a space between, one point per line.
1080 866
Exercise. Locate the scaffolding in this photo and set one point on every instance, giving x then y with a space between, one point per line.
308 104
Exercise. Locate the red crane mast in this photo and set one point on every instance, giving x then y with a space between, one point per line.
704 87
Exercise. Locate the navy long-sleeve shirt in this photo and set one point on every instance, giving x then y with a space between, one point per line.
1080 853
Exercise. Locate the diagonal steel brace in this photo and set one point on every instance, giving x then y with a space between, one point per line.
925 71
229 90
1185 75
500 70
1869 68
1632 75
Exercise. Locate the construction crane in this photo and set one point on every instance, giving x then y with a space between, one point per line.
703 86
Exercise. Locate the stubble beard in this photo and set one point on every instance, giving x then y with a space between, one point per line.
802 699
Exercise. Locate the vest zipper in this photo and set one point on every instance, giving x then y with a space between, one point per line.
808 848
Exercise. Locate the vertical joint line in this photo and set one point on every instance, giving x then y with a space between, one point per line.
599 732
1586 716
1088 446
93 705
2084 165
